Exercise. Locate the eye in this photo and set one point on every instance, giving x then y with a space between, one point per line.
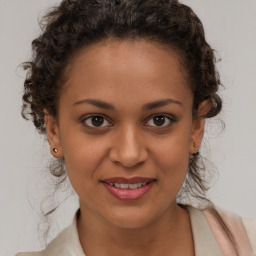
95 121
160 121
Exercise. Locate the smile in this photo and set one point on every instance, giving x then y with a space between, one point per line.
128 186
128 189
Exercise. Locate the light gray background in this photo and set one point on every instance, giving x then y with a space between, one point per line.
230 28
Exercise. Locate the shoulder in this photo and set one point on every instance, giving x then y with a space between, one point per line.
243 230
65 244
40 253
55 247
250 227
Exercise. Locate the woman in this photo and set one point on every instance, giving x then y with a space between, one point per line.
122 89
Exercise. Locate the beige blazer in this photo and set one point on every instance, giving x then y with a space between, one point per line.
208 239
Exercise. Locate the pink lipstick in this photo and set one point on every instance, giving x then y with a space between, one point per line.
128 189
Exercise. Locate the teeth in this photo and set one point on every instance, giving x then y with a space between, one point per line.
117 185
133 186
126 186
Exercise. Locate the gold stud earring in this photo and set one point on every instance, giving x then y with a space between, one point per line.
55 150
196 153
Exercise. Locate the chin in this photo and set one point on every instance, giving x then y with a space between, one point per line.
130 223
131 219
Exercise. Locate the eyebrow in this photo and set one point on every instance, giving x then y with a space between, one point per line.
160 103
148 106
97 103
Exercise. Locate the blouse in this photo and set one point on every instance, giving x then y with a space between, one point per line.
208 238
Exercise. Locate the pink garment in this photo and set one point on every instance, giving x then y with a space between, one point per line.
236 226
209 238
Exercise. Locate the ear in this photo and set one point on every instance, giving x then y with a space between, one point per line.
53 134
198 126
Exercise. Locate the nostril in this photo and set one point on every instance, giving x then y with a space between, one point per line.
128 150
128 158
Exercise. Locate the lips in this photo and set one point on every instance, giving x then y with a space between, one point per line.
132 180
128 189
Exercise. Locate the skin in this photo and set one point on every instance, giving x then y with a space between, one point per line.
129 143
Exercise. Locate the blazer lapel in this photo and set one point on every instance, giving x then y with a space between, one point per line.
204 240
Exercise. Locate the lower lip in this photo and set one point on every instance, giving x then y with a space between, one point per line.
128 194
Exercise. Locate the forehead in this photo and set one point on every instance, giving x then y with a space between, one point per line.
118 69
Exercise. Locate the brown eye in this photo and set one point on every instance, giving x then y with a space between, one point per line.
96 121
160 121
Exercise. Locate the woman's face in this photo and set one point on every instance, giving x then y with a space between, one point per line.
125 129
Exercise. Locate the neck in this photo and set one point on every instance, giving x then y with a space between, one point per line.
166 235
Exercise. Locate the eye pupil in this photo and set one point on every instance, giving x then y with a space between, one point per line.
159 120
97 120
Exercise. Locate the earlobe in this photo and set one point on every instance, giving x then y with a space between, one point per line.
197 135
198 127
53 134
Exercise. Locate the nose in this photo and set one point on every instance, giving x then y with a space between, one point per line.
128 148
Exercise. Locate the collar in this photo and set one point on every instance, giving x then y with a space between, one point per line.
205 243
67 242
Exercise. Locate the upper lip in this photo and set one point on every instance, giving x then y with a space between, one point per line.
133 180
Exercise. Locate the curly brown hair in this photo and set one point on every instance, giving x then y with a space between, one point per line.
75 24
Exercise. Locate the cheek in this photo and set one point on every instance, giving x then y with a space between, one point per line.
173 150
82 159
174 166
172 158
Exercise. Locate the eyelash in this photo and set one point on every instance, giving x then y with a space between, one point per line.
89 117
170 119
83 121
